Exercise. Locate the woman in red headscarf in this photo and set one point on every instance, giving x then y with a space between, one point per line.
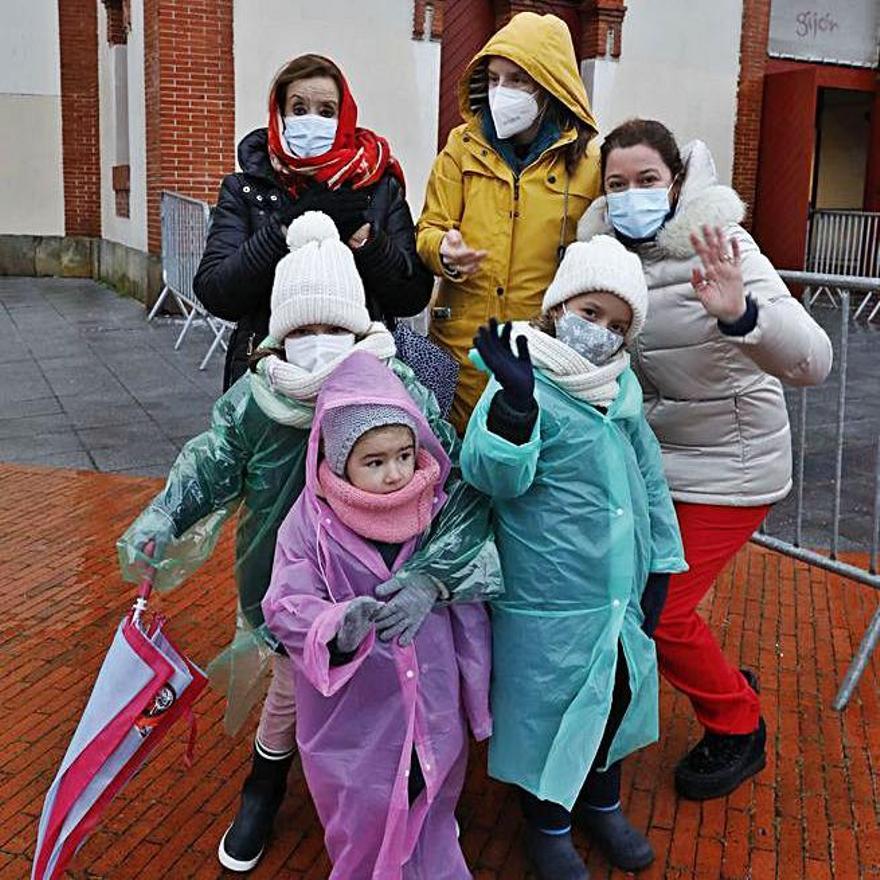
311 157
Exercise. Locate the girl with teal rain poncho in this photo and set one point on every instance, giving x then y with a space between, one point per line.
252 462
587 536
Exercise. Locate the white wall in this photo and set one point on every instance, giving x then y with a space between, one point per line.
31 189
679 64
395 81
132 230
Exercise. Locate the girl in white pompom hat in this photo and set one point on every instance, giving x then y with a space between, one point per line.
587 536
252 461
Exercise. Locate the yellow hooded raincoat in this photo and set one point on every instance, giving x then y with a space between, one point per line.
522 221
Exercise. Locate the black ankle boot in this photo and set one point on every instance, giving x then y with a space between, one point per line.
261 797
752 678
720 763
624 846
553 856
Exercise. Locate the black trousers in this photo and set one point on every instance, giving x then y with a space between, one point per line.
602 789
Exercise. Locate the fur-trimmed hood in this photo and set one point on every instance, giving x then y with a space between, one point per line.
702 201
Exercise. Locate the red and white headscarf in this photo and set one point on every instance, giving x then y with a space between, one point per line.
358 158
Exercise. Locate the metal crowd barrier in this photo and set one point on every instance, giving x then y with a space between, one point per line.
843 287
846 243
185 224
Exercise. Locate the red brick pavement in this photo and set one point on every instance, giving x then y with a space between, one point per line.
812 813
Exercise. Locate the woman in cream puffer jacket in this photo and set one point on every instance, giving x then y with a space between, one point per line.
723 334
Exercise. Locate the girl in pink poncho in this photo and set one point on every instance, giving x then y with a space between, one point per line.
384 689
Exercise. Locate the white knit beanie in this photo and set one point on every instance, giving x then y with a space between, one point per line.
317 282
602 263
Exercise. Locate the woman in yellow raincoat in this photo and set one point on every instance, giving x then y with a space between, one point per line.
508 188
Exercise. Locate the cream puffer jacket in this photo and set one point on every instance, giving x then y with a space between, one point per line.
715 402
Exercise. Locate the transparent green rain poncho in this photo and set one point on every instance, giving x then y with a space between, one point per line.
252 464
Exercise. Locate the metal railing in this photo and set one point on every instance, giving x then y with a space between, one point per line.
185 223
846 243
842 288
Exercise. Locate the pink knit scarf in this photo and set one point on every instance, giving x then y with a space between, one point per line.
392 518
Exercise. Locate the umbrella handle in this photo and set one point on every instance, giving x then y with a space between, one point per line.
146 585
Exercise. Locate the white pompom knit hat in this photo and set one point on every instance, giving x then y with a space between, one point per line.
602 263
317 282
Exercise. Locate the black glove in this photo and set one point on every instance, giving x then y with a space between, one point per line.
514 372
308 201
345 207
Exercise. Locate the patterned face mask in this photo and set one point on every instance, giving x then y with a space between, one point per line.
591 341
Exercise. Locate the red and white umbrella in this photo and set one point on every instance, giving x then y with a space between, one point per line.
145 684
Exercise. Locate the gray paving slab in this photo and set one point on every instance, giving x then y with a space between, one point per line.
132 454
28 426
87 413
16 409
86 382
43 444
185 427
119 436
79 461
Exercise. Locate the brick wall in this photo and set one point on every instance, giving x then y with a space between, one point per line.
603 28
118 20
190 100
78 35
753 63
421 17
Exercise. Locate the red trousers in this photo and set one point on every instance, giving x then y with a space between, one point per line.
689 657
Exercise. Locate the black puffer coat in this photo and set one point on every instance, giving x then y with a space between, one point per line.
245 243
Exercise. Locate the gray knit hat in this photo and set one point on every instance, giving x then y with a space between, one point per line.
343 426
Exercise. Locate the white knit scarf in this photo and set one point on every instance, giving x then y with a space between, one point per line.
570 371
286 393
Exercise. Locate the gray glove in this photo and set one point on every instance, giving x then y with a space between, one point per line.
404 614
356 623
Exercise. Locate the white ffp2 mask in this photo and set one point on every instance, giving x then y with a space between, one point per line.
513 110
310 353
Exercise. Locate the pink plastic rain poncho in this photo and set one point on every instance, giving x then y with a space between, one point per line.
358 724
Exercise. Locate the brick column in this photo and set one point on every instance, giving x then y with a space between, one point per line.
602 28
78 37
190 101
420 18
750 91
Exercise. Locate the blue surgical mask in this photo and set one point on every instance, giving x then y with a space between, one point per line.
638 213
591 341
309 135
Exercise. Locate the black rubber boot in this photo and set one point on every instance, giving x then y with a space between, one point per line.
261 797
553 855
720 763
624 846
752 678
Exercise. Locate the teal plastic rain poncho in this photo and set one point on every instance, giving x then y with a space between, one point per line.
252 464
583 515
